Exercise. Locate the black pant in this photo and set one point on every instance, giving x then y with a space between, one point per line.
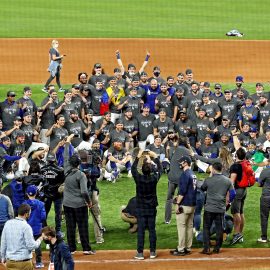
77 216
208 219
57 76
144 222
38 251
57 212
264 214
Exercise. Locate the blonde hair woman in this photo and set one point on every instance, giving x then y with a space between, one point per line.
225 158
55 65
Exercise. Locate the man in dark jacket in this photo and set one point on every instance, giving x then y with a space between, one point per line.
60 255
54 176
146 171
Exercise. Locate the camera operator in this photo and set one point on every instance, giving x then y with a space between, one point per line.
54 176
91 162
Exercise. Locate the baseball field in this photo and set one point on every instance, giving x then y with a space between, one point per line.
179 35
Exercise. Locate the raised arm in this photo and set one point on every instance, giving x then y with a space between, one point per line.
145 62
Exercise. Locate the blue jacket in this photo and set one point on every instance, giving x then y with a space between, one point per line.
61 256
188 187
17 194
38 215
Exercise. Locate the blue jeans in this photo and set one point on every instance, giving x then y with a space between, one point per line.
58 211
200 198
145 222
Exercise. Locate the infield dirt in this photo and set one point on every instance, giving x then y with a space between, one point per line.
24 61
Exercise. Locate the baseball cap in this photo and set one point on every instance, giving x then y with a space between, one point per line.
263 96
163 84
31 190
117 140
202 109
182 112
112 78
97 65
225 117
146 105
20 133
180 74
67 91
185 159
179 89
161 110
98 80
249 97
119 122
18 118
89 111
143 73
239 78
11 93
128 109
156 68
135 79
26 114
253 129
227 91
85 87
75 86
188 71
218 86
73 112
206 84
259 84
6 138
131 66
205 95
171 130
26 88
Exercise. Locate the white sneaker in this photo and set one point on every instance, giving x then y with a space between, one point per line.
129 174
260 240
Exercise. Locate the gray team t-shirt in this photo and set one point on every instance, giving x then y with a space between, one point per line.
216 188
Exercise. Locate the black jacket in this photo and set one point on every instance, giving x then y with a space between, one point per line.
146 188
54 176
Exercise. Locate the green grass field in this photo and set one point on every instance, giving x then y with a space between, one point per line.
133 19
113 196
